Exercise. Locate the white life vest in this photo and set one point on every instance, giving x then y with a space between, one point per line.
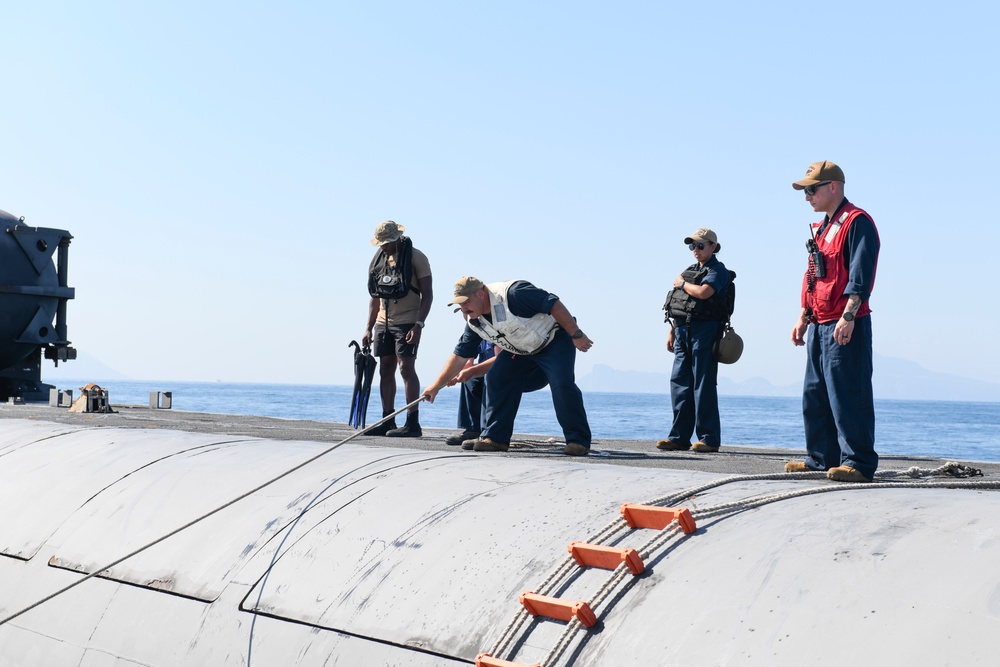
517 335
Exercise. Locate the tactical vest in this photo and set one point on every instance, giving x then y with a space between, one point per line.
386 281
683 307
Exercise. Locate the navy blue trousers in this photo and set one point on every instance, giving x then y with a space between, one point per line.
511 376
470 404
694 390
838 406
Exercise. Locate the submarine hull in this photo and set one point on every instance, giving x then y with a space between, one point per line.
371 555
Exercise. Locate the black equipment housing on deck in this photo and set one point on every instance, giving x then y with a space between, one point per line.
34 292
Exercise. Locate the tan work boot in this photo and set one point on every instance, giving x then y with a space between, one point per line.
671 446
573 449
486 445
846 474
703 447
797 466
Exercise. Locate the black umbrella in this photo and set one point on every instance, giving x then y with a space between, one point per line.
364 371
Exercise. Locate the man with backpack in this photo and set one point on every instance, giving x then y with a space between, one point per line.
697 308
399 283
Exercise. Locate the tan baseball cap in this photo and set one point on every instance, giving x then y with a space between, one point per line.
464 288
820 172
387 232
704 235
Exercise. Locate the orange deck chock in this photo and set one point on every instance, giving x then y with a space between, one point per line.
606 558
649 516
564 610
487 660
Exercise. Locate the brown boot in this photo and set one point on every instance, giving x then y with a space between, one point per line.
846 474
456 440
487 445
671 446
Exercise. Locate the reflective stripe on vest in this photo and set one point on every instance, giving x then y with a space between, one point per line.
827 299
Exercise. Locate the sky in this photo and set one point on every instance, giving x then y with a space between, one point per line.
222 167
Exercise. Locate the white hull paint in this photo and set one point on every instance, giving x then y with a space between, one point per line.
380 556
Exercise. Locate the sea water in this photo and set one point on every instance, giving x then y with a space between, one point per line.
944 429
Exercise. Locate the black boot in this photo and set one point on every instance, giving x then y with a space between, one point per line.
411 429
382 429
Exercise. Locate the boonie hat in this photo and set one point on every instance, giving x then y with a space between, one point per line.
704 235
464 288
387 232
820 172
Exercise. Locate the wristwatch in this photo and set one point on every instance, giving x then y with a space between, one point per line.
848 316
578 334
420 324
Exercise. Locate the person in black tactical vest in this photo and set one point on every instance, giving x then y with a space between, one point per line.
697 307
399 282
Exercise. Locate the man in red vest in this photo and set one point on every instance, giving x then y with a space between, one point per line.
838 406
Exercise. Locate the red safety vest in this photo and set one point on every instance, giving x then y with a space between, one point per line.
827 299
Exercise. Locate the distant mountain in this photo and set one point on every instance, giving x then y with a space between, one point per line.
907 380
894 379
84 366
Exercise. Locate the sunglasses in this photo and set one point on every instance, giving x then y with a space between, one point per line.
811 190
699 246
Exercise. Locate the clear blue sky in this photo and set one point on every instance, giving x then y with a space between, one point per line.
222 167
